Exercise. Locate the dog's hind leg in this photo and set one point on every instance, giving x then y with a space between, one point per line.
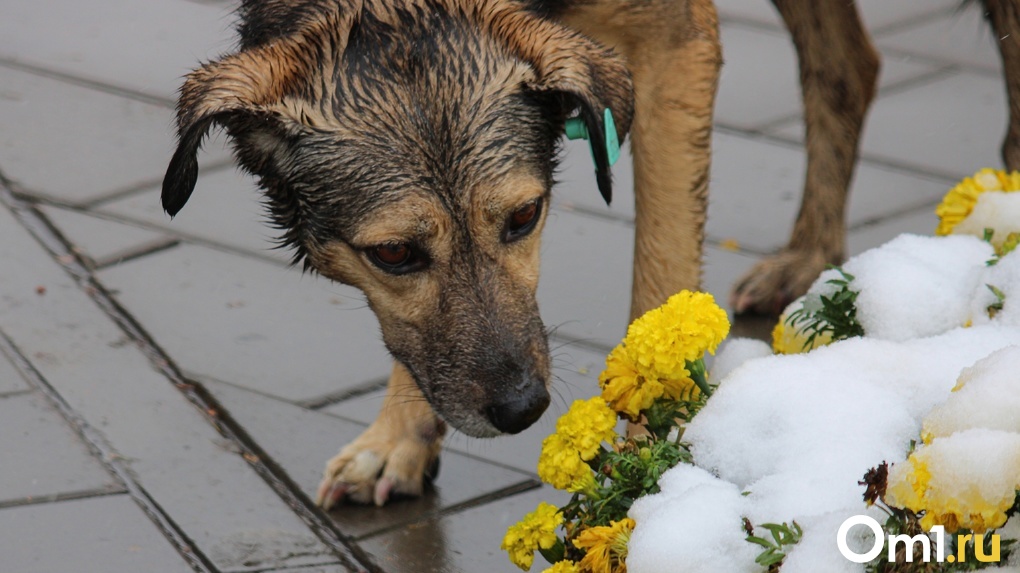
673 52
392 455
838 73
1004 16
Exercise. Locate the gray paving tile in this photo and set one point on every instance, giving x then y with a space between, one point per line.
877 14
74 144
101 239
324 568
962 37
98 535
760 81
51 459
721 269
117 42
251 322
301 441
465 541
586 274
584 291
209 491
757 185
951 126
224 209
10 379
758 11
920 222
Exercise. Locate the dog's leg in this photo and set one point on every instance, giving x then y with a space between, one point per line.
393 455
672 49
1004 16
838 73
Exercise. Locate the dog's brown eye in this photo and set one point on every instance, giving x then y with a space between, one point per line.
392 254
396 258
523 220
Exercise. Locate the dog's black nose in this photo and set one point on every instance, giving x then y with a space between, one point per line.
519 410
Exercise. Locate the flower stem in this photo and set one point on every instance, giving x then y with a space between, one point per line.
697 369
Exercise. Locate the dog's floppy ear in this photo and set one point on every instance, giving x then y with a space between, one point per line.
249 82
594 77
242 83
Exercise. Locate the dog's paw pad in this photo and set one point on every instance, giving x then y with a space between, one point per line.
378 467
776 281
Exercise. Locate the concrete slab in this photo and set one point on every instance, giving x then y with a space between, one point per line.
108 534
752 95
301 441
51 458
225 209
73 144
10 380
586 273
101 240
959 36
148 51
465 541
757 184
230 513
950 126
877 14
920 222
253 323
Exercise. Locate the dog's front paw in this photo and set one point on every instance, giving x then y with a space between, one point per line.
778 280
392 457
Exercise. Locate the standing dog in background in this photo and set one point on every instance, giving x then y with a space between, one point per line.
407 147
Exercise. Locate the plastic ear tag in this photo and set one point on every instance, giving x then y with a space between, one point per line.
576 129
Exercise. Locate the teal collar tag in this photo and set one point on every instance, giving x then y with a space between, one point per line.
576 129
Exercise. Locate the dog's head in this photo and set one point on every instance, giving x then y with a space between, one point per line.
407 148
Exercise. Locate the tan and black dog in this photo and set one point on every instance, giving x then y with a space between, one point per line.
407 147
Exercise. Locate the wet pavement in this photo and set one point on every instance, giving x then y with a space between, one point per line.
169 390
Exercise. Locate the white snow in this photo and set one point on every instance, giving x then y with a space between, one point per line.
796 433
986 398
666 537
997 210
734 353
917 286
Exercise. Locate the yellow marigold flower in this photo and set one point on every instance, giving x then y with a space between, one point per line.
563 567
959 201
627 391
536 530
663 339
605 547
681 388
559 464
586 425
788 339
585 484
957 487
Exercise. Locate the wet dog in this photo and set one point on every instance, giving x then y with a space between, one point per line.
406 147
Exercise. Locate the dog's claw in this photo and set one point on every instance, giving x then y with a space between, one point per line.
330 494
382 491
382 463
776 281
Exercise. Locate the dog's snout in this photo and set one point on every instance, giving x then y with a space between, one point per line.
516 412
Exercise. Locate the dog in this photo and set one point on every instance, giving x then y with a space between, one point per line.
407 148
